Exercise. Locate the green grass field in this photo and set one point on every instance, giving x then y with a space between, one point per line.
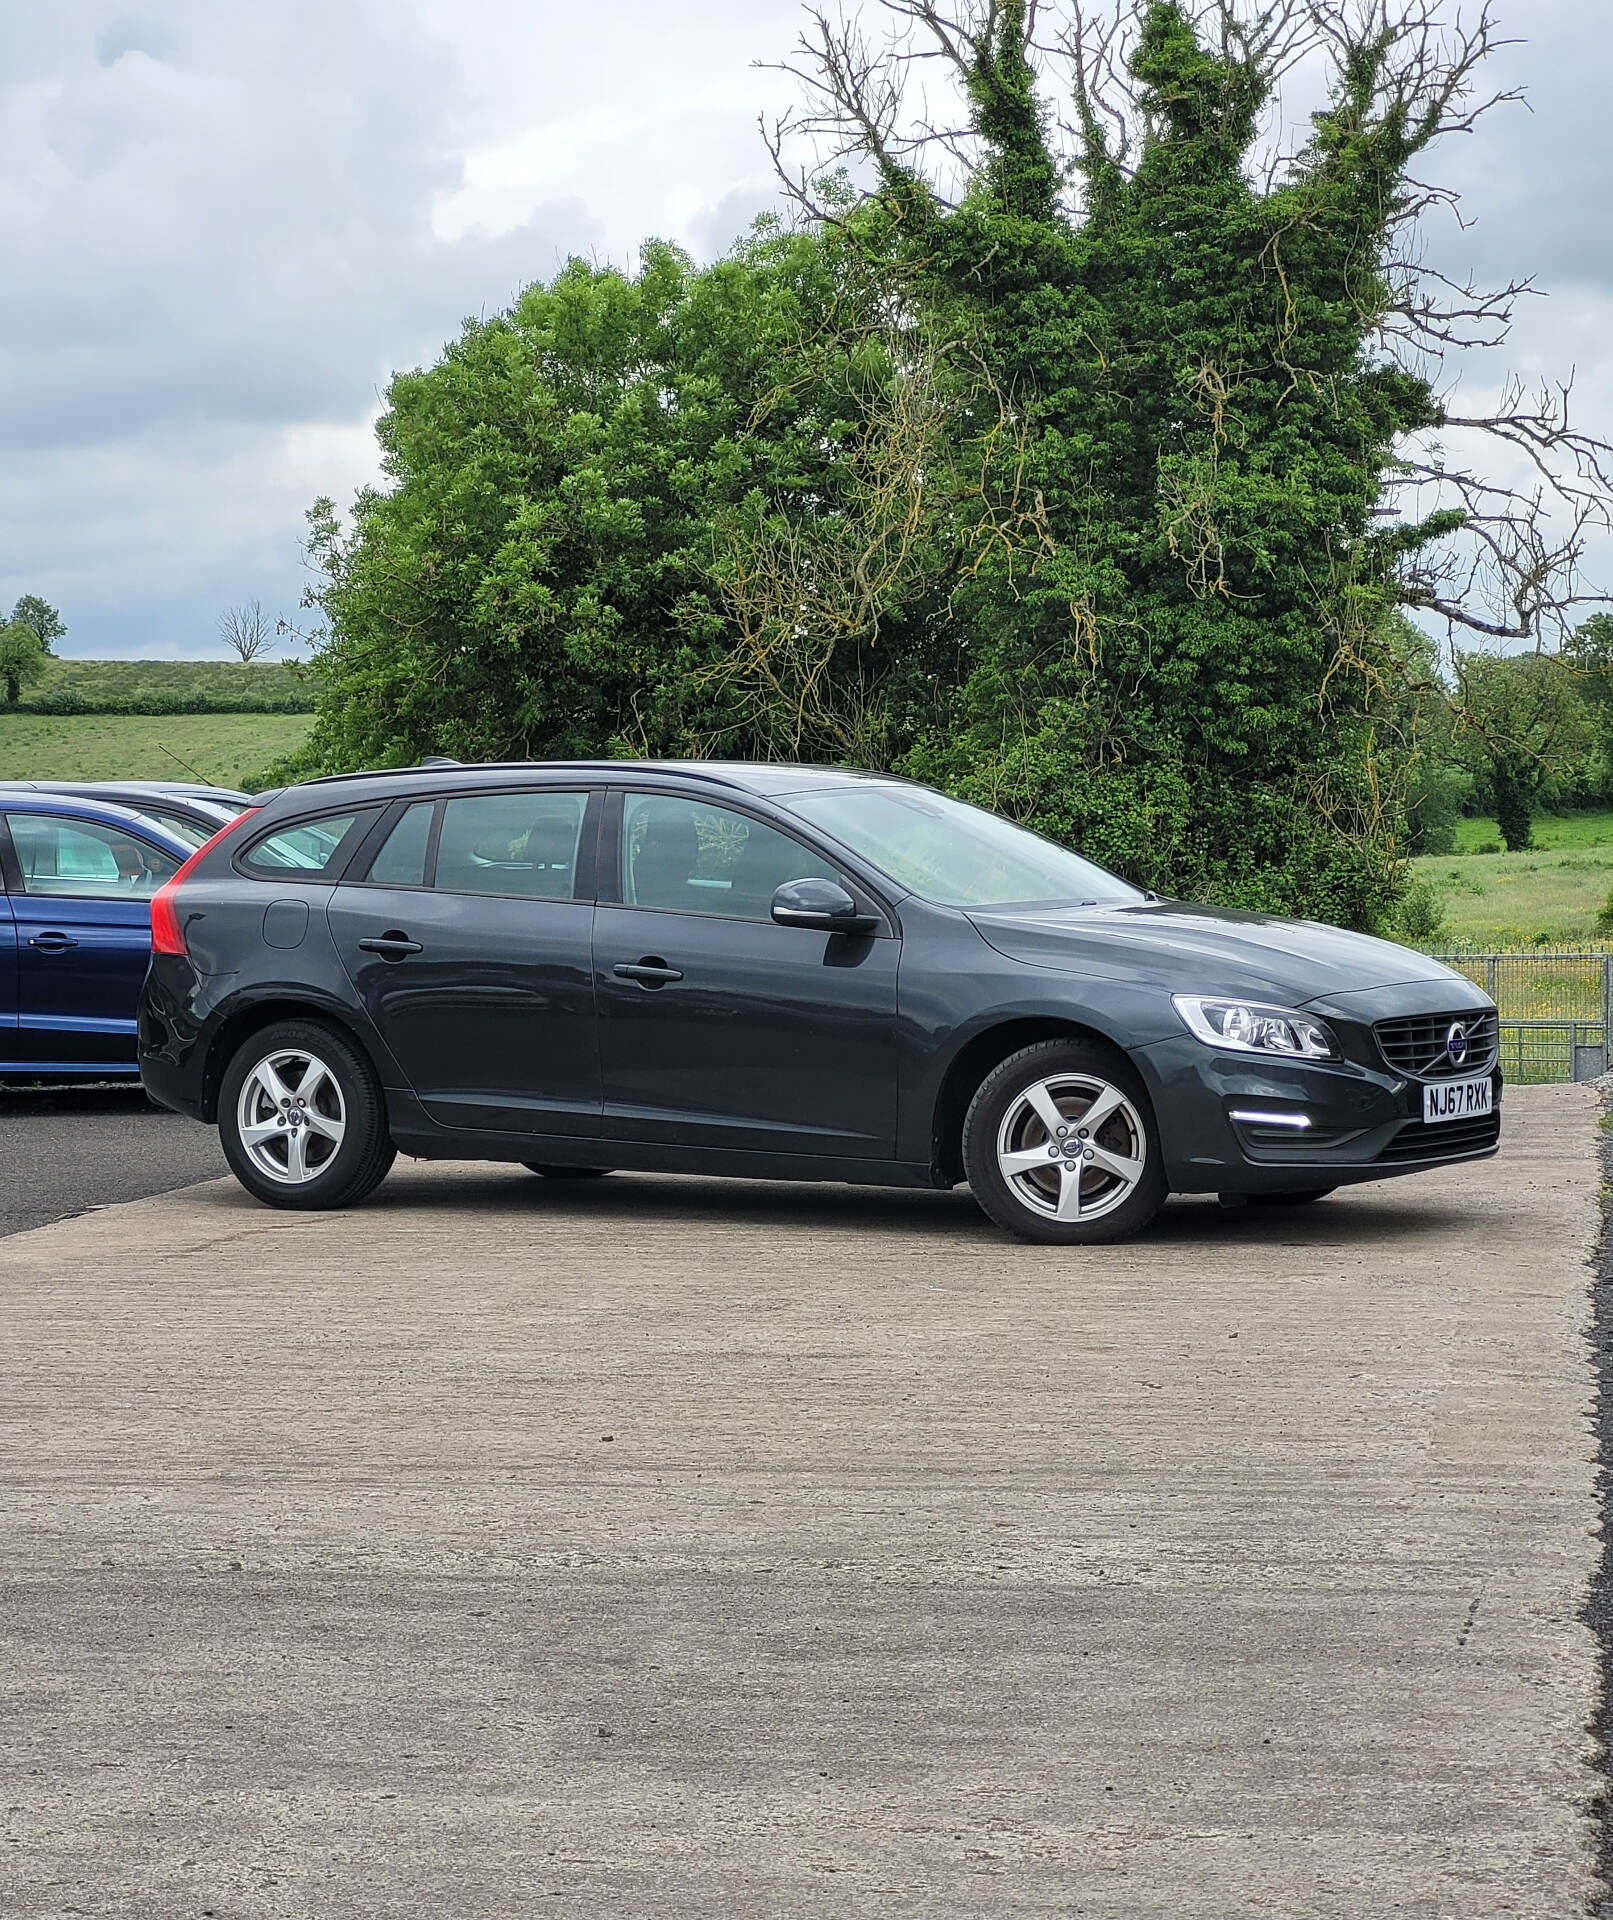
1499 902
229 749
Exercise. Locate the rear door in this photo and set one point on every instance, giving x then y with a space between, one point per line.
469 943
80 894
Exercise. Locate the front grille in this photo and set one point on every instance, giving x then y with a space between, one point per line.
1421 1044
1445 1140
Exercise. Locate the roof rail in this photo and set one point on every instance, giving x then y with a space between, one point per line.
685 769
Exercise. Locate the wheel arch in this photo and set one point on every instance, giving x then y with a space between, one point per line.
977 1057
242 1022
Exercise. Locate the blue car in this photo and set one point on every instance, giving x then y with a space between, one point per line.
75 932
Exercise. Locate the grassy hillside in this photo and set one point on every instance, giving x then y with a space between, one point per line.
169 686
1548 896
231 749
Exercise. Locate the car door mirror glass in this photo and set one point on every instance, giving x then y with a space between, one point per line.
821 904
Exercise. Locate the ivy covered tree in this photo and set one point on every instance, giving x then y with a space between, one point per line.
1226 385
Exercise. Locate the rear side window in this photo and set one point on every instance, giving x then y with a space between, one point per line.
307 848
521 844
85 859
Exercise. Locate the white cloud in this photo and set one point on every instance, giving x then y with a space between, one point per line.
224 225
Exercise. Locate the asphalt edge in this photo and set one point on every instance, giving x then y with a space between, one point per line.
1598 1610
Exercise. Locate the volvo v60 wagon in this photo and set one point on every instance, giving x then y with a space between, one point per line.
777 972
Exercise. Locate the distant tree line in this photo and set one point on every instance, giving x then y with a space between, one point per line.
1509 736
1065 455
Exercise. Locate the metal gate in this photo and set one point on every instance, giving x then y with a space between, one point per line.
1556 1010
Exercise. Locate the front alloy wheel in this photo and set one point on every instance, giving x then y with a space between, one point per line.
1059 1146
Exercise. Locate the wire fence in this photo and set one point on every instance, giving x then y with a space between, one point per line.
1556 1010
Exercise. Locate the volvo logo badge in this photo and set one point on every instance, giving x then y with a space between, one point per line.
1456 1044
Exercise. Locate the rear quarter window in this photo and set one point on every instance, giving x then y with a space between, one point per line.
303 849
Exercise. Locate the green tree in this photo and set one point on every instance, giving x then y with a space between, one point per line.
22 659
1589 651
601 504
40 618
1524 726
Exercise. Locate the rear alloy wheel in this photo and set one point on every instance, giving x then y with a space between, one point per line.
1060 1146
565 1173
302 1120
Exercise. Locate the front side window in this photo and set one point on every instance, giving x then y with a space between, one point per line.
956 855
305 849
687 856
521 844
86 859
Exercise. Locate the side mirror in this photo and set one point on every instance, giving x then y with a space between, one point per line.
823 905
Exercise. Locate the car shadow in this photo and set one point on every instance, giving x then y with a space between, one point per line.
29 1100
639 1198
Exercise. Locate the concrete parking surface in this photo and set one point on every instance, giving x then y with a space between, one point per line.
663 1547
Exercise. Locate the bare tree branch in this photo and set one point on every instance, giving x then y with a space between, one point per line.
246 630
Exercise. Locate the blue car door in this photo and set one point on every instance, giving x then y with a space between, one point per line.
80 899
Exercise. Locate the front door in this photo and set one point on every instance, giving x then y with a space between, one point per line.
468 940
718 1028
81 907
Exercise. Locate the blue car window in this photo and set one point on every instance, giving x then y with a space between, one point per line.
689 857
66 858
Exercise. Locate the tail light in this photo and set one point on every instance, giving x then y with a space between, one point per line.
166 936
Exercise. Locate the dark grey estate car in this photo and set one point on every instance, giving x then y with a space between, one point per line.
777 971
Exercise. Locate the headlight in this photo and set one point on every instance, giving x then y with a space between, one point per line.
1242 1027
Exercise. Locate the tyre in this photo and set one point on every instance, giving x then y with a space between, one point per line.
1290 1199
565 1173
1060 1145
302 1119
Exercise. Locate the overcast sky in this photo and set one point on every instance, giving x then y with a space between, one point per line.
225 223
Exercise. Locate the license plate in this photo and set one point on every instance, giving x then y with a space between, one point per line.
1457 1099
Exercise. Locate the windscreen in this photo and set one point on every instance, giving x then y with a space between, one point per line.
955 855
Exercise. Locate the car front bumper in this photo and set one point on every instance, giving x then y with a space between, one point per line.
1361 1122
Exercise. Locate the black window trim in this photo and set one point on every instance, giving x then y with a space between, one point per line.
10 865
610 851
582 881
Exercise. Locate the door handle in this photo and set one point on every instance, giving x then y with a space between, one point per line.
391 945
52 942
651 971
